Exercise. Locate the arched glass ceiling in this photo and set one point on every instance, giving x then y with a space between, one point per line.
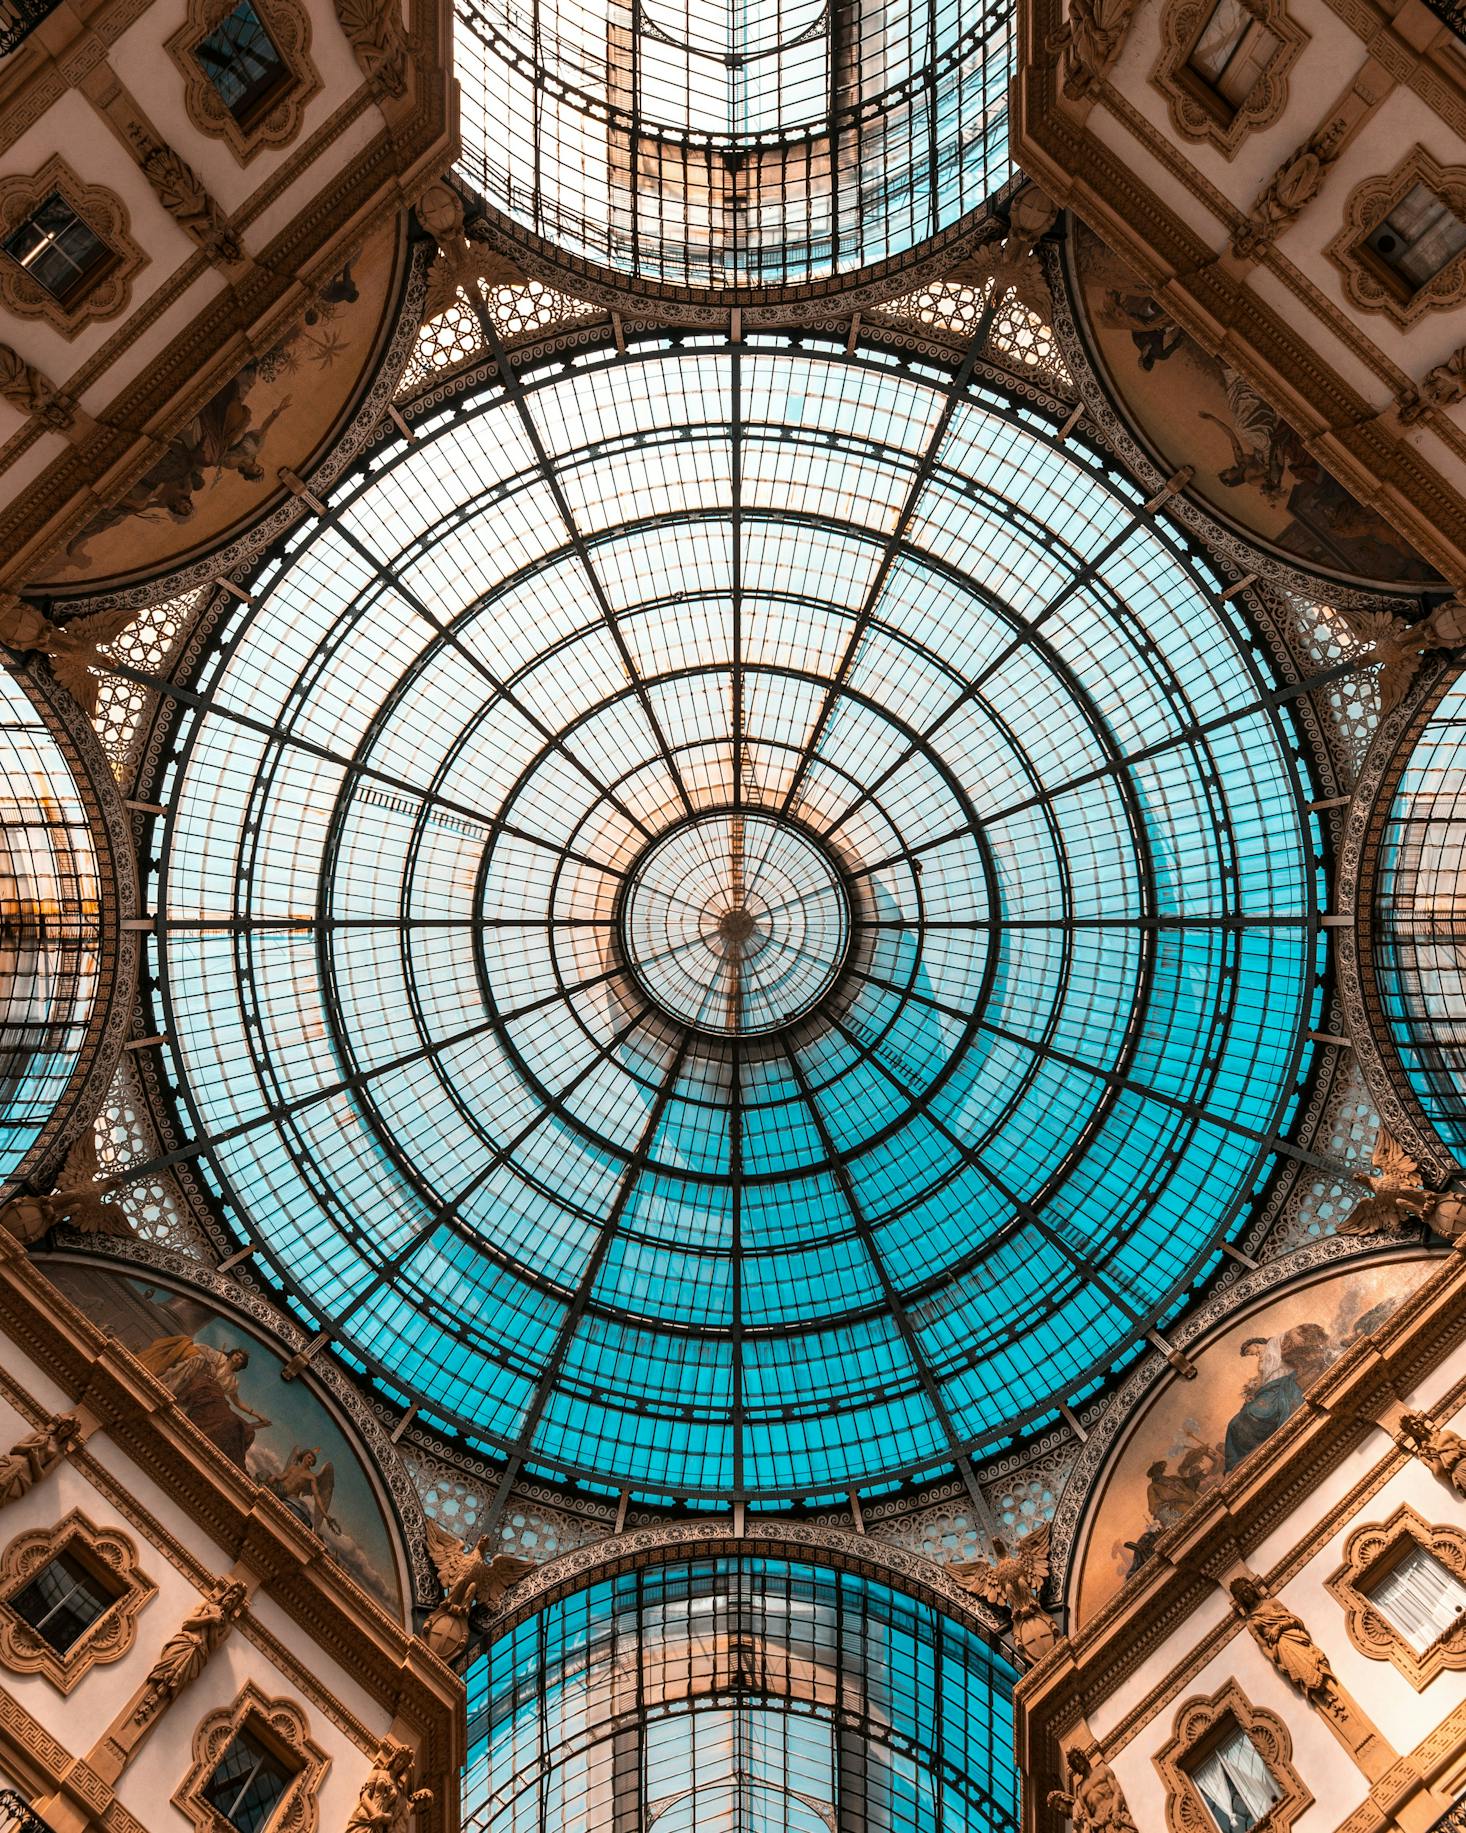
49 924
915 1183
735 142
750 1694
1420 937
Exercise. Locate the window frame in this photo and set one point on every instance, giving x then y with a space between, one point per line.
107 291
1370 1552
1370 283
282 1727
1198 110
112 1557
1201 1725
278 116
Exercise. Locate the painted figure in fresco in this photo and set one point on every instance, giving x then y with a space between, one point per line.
1265 449
1169 1493
307 1490
1305 1353
205 1383
1154 333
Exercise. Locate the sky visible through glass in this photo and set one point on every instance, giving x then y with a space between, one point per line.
920 640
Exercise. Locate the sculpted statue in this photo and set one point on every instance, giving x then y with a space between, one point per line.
388 1801
72 648
1441 1451
1283 1639
1289 191
375 30
1092 1801
1397 648
185 1654
1092 37
470 1575
181 192
28 391
36 1455
1398 1197
1443 386
1013 264
460 263
1014 1580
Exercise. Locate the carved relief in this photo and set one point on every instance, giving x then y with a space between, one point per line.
103 1551
1197 111
389 1801
281 1726
1014 1578
1290 190
288 25
1090 41
29 392
181 192
1443 386
1369 283
184 1656
1202 1727
32 1458
1370 1554
374 28
104 214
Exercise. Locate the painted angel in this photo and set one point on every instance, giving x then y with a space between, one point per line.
72 648
306 1487
1014 1579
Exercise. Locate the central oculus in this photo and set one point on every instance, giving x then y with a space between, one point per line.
736 923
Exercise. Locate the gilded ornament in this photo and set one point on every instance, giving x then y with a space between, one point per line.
1014 1580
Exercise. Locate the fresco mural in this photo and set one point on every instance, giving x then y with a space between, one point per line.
1250 464
226 1378
220 471
1250 1380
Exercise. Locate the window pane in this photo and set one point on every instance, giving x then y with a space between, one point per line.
240 60
248 1783
57 248
1235 1783
1420 1598
61 1601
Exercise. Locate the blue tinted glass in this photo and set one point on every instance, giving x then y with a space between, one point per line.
737 949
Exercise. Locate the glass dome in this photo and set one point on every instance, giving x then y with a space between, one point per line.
1420 963
730 143
50 940
752 1694
740 920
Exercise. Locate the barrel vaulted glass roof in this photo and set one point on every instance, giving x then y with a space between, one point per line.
735 142
1422 918
737 919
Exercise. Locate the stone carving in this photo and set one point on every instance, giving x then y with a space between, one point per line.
1289 191
460 263
1283 1639
388 1802
1092 1802
28 391
1442 1451
185 1654
1397 1197
1013 264
181 192
470 1575
71 649
375 30
1015 1579
1443 386
1397 647
1091 39
33 1457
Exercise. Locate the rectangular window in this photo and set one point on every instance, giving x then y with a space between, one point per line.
248 1783
1420 1598
240 59
63 1600
1232 52
1236 1785
58 250
1416 240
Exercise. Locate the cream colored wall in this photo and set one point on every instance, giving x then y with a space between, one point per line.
79 1721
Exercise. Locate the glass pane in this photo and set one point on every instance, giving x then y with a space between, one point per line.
248 1783
62 1601
240 60
1421 1598
57 248
1236 1784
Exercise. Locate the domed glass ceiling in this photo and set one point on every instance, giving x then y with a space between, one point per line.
738 919
734 142
1422 918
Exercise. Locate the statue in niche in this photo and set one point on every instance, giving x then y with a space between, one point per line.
1442 1451
1013 1579
1092 1802
470 1575
388 1802
1285 1641
35 1456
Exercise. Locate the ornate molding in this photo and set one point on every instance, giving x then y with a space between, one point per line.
1370 1553
277 124
1368 282
104 213
106 1551
282 1727
1202 1724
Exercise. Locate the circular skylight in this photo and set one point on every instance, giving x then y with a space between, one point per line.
739 920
